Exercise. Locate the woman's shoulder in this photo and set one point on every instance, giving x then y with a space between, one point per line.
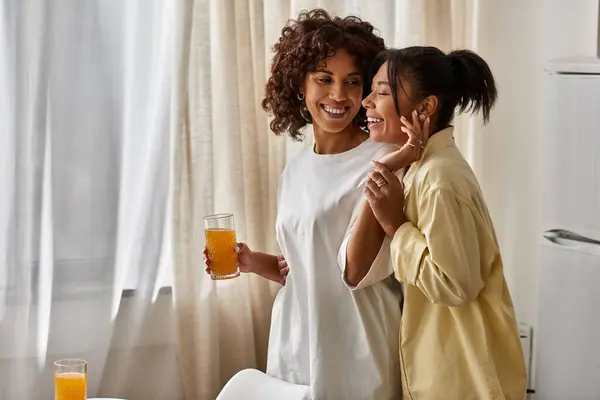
447 170
297 162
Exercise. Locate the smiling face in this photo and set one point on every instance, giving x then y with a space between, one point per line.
333 93
384 121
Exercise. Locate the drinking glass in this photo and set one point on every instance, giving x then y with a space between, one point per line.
70 379
220 242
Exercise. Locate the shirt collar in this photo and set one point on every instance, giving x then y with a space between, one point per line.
440 140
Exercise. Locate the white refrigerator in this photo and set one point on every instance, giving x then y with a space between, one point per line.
568 333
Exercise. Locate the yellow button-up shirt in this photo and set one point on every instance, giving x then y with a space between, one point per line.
458 336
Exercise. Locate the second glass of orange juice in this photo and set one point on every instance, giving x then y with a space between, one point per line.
70 379
220 242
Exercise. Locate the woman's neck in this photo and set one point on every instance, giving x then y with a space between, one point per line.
338 142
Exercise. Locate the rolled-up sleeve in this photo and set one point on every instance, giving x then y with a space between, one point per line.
380 269
449 255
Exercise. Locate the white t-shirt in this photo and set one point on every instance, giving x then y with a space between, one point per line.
339 340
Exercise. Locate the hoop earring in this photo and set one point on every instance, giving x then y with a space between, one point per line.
300 96
303 112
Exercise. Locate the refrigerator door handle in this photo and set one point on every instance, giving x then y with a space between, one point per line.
557 235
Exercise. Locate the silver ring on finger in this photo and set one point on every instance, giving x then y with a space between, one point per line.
380 182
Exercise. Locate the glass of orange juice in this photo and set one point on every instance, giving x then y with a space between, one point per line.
220 242
70 379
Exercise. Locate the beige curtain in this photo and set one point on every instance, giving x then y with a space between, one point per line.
449 25
227 160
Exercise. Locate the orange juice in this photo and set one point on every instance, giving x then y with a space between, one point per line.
223 258
70 386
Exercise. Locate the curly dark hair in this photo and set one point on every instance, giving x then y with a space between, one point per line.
311 38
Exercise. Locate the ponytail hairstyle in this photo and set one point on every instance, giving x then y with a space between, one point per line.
460 79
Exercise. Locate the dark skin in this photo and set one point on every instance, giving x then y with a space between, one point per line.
388 200
335 84
383 213
268 266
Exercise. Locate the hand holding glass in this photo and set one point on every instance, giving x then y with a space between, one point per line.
220 242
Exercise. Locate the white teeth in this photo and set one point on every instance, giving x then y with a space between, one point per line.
336 111
374 120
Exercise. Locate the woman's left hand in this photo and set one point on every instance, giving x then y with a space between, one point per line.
385 195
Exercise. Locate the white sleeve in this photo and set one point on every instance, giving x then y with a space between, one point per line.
380 269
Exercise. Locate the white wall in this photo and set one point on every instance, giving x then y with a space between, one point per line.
517 37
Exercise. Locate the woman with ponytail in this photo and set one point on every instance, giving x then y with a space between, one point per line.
458 335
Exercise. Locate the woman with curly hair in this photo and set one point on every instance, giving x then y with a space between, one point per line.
342 343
